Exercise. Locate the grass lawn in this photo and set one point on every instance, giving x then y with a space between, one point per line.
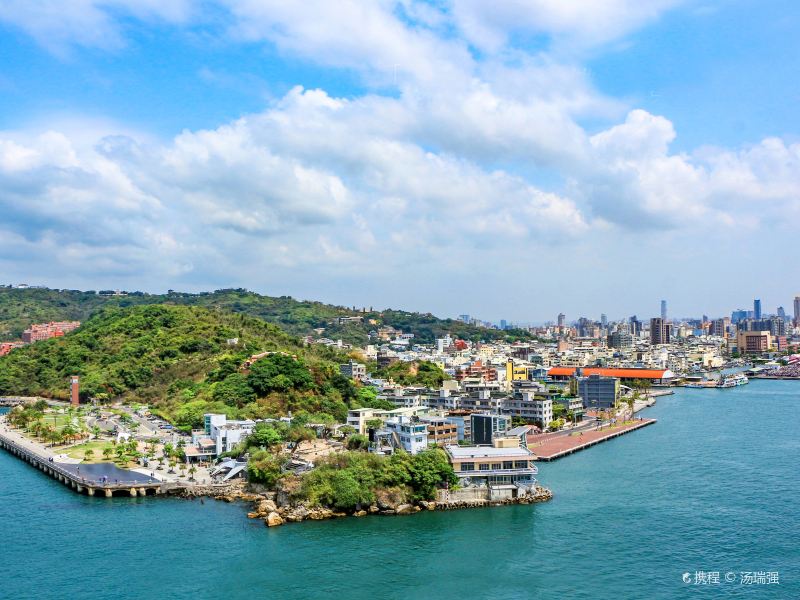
96 445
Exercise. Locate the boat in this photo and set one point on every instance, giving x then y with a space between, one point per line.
729 381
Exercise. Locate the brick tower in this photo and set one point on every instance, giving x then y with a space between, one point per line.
75 388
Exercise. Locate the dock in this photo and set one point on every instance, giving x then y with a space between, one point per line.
556 447
93 481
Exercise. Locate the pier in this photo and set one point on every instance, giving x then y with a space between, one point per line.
559 446
91 481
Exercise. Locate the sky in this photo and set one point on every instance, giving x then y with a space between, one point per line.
509 160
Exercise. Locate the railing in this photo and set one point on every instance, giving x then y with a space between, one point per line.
74 477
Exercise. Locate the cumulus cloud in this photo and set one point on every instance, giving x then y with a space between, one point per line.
474 154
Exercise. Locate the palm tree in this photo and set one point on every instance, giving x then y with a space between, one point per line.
172 464
192 471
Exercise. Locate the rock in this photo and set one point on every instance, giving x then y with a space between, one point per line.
388 512
318 514
360 513
431 506
268 506
273 519
301 511
404 509
373 509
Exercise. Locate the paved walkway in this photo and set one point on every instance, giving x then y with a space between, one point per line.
552 447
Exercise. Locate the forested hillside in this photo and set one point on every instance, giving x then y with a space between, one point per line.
184 361
21 307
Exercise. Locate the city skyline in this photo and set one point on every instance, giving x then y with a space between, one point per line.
509 163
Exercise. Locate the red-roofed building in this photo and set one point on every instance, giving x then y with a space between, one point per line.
655 376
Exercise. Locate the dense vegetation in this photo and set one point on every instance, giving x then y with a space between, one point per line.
21 307
183 361
420 372
347 480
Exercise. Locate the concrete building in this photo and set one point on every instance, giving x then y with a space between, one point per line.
354 370
486 427
441 430
659 331
757 308
598 391
753 342
410 432
45 331
526 405
505 463
620 340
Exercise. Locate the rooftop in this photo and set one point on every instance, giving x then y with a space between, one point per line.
464 452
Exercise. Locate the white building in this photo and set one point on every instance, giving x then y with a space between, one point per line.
411 434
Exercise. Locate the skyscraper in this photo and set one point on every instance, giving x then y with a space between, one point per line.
659 331
561 319
603 321
757 308
797 310
664 310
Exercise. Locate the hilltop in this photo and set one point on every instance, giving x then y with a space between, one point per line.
21 307
185 361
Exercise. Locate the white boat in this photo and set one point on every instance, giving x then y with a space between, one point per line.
729 381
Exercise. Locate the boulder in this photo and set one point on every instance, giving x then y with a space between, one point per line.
273 519
373 508
360 513
405 509
268 506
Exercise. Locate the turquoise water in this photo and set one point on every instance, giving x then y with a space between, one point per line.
713 486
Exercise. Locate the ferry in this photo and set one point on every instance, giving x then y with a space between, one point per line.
729 381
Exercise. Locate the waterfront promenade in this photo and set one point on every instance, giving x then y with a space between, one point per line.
100 478
549 447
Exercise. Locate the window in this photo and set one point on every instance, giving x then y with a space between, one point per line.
508 464
496 466
468 466
521 464
484 466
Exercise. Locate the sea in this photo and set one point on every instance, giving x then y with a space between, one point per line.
703 504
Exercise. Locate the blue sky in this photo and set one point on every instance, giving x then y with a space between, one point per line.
510 161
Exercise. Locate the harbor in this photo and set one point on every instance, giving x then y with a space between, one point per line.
102 479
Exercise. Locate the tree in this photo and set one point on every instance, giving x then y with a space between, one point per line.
430 469
107 452
264 467
267 434
192 471
88 454
120 451
279 373
374 423
234 390
357 442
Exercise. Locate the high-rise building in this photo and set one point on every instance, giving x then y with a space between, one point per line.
757 308
562 319
781 312
717 328
620 339
659 331
503 324
739 314
603 321
636 326
664 310
797 310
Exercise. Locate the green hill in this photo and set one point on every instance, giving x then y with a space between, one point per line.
21 307
183 361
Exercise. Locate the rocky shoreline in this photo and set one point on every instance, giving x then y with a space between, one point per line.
275 508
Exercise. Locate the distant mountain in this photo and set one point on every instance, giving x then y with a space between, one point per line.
184 360
21 307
